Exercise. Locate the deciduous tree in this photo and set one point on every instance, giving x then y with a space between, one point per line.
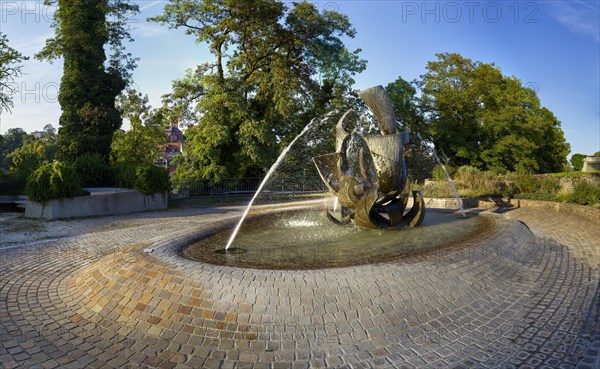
577 161
272 65
142 143
10 68
479 117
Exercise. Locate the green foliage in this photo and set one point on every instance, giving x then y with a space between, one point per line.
274 69
471 182
439 189
151 179
545 196
526 182
577 161
405 102
93 171
568 174
549 185
585 193
51 181
88 88
419 161
12 183
22 153
479 117
27 158
11 141
438 173
124 174
141 144
10 68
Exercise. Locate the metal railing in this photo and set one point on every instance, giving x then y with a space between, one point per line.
246 186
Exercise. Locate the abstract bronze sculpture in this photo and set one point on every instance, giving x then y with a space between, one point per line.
368 174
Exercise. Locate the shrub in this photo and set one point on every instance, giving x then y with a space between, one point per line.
438 173
549 185
93 171
585 193
51 181
569 174
472 182
124 173
527 183
437 189
151 179
12 183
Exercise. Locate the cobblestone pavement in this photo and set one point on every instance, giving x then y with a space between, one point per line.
524 293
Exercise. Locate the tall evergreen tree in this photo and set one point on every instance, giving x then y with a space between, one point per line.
90 82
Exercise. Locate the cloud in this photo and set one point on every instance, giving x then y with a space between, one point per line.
579 17
34 45
142 8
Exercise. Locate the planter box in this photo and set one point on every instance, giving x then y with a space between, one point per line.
102 201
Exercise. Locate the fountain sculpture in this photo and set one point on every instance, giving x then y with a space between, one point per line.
368 174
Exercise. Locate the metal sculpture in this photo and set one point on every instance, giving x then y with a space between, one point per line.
368 174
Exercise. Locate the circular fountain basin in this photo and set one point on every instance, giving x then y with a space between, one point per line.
307 240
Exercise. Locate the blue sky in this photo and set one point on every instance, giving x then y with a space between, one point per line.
552 46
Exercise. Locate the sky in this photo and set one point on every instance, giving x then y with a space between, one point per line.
551 46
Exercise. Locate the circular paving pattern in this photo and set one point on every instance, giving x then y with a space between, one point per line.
523 293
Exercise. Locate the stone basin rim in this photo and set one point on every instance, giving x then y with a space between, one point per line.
168 248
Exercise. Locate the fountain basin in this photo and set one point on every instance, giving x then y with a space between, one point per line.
305 239
162 293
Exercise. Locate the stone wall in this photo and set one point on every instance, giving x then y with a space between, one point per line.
122 202
588 212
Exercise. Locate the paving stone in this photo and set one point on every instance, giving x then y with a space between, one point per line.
95 300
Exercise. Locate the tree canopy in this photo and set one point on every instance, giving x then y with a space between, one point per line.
477 116
142 143
10 68
577 161
11 141
273 66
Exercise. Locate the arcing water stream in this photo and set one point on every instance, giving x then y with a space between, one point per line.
462 210
265 180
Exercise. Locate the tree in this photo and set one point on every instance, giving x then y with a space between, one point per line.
450 102
27 158
49 132
419 160
141 144
31 153
577 161
10 68
267 61
90 83
12 140
479 117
